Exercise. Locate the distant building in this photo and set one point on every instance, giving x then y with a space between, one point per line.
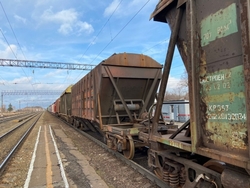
4 108
33 109
176 110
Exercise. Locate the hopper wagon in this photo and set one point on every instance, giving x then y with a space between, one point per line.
114 99
65 105
56 107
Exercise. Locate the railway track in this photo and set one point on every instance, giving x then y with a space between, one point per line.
14 117
12 139
10 125
138 163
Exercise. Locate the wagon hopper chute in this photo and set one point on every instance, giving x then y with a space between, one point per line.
114 98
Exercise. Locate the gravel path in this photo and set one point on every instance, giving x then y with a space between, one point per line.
79 156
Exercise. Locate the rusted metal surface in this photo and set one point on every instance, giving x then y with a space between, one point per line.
149 95
119 107
232 179
166 11
53 108
166 71
193 75
214 43
165 166
222 86
57 106
160 7
122 129
110 81
180 3
115 96
171 142
65 102
125 106
245 39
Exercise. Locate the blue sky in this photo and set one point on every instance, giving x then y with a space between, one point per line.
74 31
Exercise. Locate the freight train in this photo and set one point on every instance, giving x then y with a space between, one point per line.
114 100
212 148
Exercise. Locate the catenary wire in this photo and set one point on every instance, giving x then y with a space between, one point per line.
116 35
14 36
95 38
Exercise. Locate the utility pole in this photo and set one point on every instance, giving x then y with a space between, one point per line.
28 92
1 104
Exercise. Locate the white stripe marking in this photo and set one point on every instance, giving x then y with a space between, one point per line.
59 160
27 182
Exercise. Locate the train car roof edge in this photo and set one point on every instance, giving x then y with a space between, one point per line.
125 59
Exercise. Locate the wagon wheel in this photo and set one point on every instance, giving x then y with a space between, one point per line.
215 165
159 167
129 152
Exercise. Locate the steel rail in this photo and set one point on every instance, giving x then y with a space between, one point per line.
2 120
7 159
18 126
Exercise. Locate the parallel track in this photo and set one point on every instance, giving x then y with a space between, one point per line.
28 118
7 158
20 117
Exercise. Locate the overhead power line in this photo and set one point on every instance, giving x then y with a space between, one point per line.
12 29
93 41
15 38
8 43
112 39
31 92
121 30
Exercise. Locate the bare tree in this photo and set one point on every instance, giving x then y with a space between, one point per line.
184 79
181 91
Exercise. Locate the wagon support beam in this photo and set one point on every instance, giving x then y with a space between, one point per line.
166 70
119 93
150 92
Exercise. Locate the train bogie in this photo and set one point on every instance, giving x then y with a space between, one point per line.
212 149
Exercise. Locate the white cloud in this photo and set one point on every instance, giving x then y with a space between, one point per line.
111 8
65 29
172 82
20 19
54 73
64 16
69 21
21 80
85 27
39 3
9 51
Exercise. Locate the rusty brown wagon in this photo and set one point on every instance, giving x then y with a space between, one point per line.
114 99
65 104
